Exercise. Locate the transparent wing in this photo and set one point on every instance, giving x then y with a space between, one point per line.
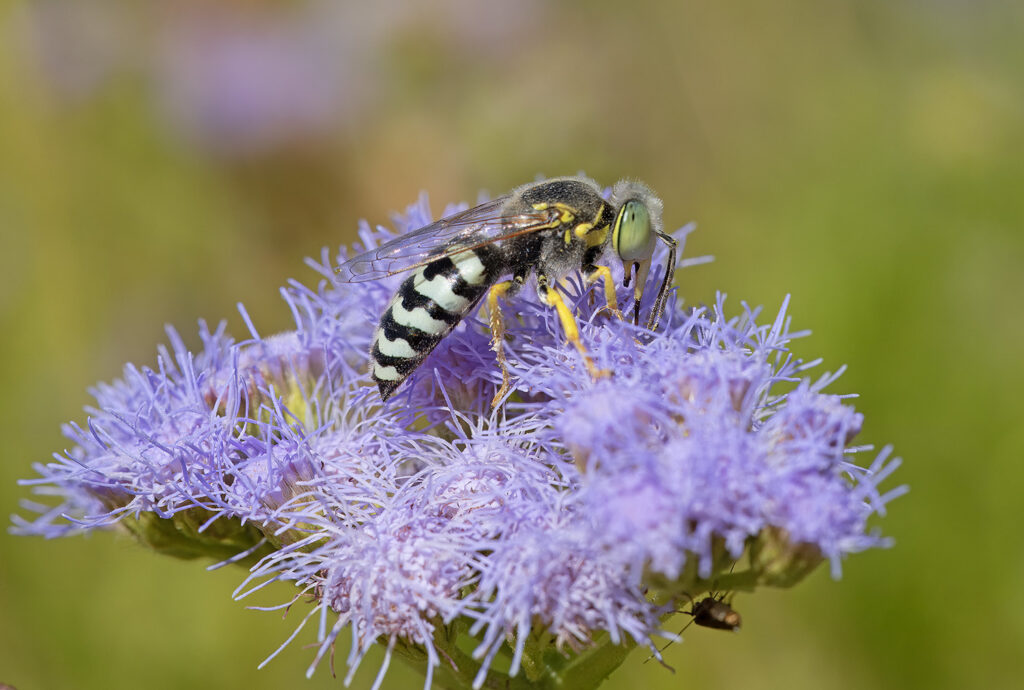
450 235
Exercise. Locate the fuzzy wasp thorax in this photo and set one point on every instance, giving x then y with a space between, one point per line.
547 228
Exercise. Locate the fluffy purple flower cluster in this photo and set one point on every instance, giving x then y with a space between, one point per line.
578 513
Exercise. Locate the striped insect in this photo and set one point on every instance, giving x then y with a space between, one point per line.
548 228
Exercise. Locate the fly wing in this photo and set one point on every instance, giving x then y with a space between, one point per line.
450 235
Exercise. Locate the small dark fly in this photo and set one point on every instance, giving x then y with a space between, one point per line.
710 612
713 612
549 228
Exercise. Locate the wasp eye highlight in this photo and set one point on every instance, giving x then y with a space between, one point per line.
632 237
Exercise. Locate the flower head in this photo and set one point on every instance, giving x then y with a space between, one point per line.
575 515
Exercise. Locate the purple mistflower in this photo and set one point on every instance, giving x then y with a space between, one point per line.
246 79
480 544
244 82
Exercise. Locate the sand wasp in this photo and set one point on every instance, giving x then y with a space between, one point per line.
549 228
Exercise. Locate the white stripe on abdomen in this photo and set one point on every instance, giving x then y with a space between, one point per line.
439 289
399 347
470 267
416 318
385 373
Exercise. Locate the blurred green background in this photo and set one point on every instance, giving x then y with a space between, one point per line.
160 162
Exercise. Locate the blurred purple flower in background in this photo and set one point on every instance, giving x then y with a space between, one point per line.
236 82
243 79
575 519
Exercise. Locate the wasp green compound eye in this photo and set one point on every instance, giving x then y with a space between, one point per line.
632 237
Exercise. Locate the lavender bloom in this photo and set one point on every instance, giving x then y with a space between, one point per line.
573 518
245 79
238 82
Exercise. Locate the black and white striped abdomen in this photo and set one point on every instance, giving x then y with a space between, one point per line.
426 307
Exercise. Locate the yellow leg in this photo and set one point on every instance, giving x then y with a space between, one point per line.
498 335
611 299
551 298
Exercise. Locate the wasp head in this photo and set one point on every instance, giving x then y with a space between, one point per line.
636 229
